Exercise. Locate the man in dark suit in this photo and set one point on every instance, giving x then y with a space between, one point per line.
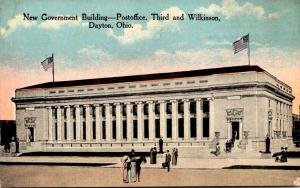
161 144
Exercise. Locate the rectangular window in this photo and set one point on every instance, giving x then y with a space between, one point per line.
157 128
180 108
146 128
103 130
124 110
146 109
124 129
103 111
65 112
94 130
193 107
157 110
180 128
74 130
65 130
55 131
74 112
83 131
205 106
83 112
169 128
113 110
134 109
193 127
205 127
114 131
135 128
93 113
169 108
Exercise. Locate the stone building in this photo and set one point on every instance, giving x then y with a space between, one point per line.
188 109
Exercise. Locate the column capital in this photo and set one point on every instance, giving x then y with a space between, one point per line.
138 102
127 103
76 105
173 100
186 100
106 104
49 107
67 106
161 101
96 105
149 102
57 107
116 103
86 105
198 99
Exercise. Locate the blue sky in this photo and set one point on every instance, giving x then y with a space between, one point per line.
150 46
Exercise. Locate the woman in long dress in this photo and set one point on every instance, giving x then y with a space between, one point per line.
133 169
126 167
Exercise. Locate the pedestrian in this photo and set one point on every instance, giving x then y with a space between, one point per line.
139 162
283 154
13 146
133 169
154 155
17 145
168 160
174 156
126 166
161 144
218 150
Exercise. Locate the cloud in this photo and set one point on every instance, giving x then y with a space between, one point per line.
15 23
58 24
230 8
19 22
152 28
95 52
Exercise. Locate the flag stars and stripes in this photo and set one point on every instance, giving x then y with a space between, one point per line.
47 63
241 44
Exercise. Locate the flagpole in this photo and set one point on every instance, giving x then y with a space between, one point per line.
53 67
248 49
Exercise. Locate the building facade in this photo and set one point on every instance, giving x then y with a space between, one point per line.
187 109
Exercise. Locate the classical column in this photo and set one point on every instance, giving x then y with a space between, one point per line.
98 122
151 120
129 122
211 118
140 120
163 120
186 114
118 121
50 124
108 122
199 117
59 129
77 113
69 125
174 119
88 123
228 129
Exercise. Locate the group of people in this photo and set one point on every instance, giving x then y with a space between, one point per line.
12 146
283 155
132 167
169 159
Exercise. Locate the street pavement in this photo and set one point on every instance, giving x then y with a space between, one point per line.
115 162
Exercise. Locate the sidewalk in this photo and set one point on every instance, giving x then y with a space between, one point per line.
183 163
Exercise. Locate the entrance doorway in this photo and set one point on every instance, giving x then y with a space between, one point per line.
31 134
235 130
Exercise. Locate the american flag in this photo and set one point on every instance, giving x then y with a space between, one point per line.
241 44
47 63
